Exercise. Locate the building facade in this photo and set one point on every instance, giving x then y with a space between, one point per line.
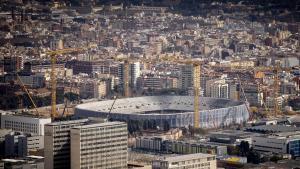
286 143
25 124
20 144
192 161
186 77
100 145
93 89
57 144
33 81
217 88
134 73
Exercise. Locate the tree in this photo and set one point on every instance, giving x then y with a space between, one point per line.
275 158
253 157
233 150
244 148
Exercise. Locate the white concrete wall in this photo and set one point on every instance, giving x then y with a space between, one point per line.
24 124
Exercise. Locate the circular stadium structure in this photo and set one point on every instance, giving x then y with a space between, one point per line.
177 111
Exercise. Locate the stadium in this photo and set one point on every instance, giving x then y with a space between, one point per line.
177 111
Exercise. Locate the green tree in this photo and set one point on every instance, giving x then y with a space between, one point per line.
253 157
244 148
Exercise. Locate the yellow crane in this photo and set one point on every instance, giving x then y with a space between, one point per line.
53 56
196 82
276 70
196 77
196 86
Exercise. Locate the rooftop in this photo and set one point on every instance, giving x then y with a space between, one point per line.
273 129
157 103
187 157
67 122
104 124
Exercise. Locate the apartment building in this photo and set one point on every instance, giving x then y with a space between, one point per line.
191 161
20 145
57 143
100 145
217 88
186 77
134 73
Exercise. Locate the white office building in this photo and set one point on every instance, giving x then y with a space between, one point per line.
100 145
26 124
191 161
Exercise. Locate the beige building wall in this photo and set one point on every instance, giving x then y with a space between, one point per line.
100 145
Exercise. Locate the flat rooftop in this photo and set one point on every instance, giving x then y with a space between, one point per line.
67 122
186 157
273 129
104 124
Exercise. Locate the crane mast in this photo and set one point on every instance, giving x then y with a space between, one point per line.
276 90
53 86
196 78
126 78
53 57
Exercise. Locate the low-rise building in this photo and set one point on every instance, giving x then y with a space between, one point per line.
191 161
158 144
282 143
20 144
29 162
185 147
26 124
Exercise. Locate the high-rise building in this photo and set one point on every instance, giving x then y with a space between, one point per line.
253 95
134 73
186 77
85 143
234 91
217 88
57 143
100 145
12 64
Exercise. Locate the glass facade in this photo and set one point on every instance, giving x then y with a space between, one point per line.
294 148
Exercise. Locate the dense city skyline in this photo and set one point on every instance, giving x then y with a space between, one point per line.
162 84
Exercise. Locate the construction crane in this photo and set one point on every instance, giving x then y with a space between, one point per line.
28 94
66 102
196 83
276 69
196 77
244 95
53 54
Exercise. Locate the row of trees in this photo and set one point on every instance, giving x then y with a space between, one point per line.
253 156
